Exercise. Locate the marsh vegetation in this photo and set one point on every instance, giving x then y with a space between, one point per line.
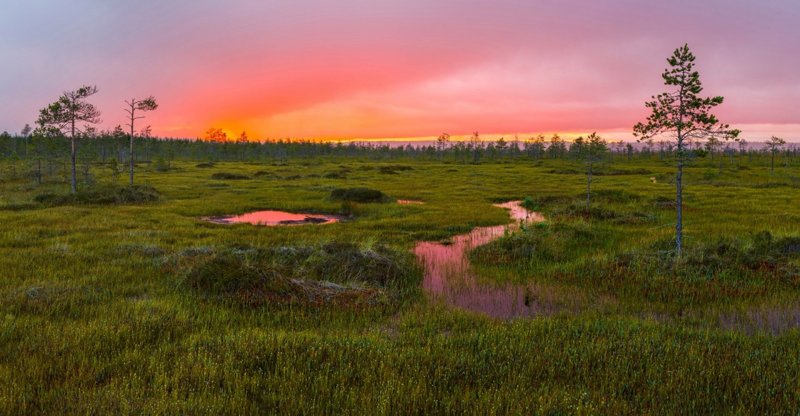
141 306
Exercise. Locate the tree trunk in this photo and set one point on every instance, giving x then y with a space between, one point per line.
679 201
73 157
772 163
589 189
133 102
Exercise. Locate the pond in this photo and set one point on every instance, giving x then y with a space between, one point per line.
275 218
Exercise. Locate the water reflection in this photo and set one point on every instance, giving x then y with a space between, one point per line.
448 274
275 218
769 320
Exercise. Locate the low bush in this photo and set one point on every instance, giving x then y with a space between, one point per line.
362 195
393 169
205 165
567 171
229 176
606 214
162 165
614 195
664 202
762 256
622 172
335 175
325 273
602 172
103 195
539 245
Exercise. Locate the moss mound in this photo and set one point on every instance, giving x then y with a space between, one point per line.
726 259
328 273
103 195
541 244
393 169
229 176
363 195
599 213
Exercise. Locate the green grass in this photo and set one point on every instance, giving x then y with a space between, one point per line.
114 308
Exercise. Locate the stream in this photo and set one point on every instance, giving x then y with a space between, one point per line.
448 275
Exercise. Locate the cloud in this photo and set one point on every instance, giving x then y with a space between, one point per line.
381 68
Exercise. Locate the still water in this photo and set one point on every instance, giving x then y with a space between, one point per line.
275 218
448 274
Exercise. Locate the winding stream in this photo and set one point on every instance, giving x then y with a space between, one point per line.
448 274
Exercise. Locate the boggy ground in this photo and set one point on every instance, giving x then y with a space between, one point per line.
114 307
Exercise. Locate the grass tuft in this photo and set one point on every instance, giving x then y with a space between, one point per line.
229 176
362 195
103 195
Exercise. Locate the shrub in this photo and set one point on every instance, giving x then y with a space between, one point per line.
606 214
665 202
349 209
334 175
529 204
162 165
105 195
726 259
205 165
229 176
363 195
540 244
567 171
602 172
614 195
324 273
393 169
622 172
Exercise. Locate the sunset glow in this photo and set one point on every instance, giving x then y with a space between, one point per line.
361 70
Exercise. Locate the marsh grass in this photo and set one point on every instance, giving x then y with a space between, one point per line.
393 169
229 176
102 195
133 308
327 273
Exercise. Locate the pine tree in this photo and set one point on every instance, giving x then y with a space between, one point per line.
684 116
69 115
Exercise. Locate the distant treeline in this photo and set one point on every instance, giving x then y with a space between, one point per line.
106 148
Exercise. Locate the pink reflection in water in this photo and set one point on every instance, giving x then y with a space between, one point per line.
770 320
274 218
448 274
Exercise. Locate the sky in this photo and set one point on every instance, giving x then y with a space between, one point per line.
345 69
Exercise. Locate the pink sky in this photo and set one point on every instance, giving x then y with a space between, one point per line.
374 69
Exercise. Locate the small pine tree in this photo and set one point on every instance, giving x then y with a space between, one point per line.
774 145
682 113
